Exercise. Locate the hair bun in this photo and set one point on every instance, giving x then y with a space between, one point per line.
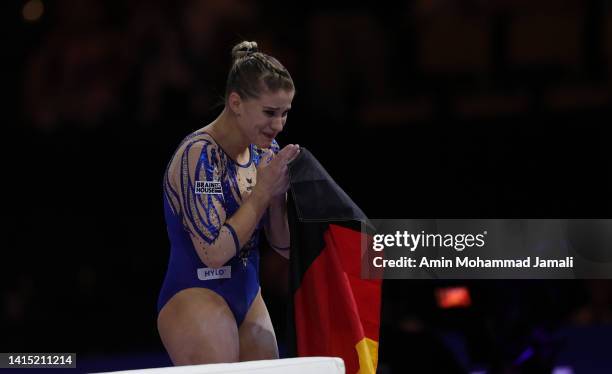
244 48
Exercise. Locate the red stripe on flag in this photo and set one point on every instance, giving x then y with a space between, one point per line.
334 309
366 292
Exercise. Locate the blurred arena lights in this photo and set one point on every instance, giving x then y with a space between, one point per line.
453 297
33 10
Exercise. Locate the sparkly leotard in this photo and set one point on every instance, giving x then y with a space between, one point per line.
203 187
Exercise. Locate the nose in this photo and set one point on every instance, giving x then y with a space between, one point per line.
277 124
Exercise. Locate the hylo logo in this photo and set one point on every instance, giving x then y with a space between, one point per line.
220 273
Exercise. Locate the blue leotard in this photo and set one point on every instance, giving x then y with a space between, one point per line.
194 211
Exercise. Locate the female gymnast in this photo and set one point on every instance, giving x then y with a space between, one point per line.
226 182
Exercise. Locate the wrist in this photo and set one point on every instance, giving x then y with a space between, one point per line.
261 199
278 200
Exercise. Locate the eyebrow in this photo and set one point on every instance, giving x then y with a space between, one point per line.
275 108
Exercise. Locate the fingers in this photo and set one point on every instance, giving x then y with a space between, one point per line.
285 184
289 152
297 153
267 156
274 169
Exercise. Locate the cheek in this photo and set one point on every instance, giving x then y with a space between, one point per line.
262 121
258 124
254 121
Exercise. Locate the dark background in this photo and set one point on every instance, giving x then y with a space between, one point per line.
418 109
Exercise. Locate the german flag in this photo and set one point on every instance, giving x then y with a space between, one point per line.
332 311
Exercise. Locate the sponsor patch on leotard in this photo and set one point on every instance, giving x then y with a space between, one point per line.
208 188
219 273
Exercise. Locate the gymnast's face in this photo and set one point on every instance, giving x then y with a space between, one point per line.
263 118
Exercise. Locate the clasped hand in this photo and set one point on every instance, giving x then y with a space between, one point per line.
273 172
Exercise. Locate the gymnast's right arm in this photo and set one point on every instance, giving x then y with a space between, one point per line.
216 237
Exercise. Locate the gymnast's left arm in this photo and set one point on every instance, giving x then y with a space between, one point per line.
276 225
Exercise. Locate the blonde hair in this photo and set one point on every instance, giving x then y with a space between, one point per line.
253 72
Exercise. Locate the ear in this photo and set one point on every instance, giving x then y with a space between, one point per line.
235 103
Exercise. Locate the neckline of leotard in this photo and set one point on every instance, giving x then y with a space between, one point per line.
227 154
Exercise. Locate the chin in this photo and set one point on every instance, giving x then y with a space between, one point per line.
264 142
